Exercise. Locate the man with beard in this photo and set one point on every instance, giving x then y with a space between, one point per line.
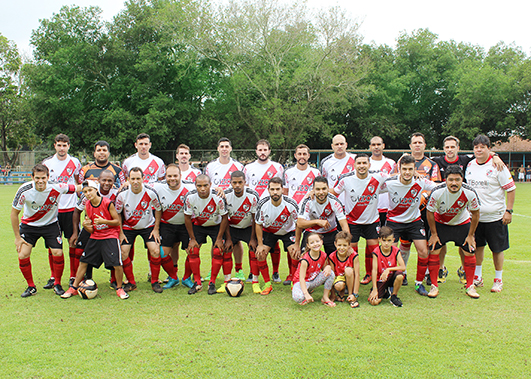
188 171
92 171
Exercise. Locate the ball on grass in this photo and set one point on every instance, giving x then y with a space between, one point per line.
88 289
234 287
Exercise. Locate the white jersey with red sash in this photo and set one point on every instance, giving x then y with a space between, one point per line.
332 168
111 195
190 174
152 167
404 199
220 173
40 207
452 208
258 175
241 209
172 201
64 172
205 212
361 196
386 261
277 220
102 231
339 265
314 267
387 166
330 210
137 208
299 182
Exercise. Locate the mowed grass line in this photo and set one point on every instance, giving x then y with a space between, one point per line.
177 335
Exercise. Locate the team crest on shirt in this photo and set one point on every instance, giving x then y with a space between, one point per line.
460 203
69 171
349 167
414 192
151 170
270 174
490 173
309 180
283 218
210 208
426 169
327 211
52 199
144 204
371 188
245 207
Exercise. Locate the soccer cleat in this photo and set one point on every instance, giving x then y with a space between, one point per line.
405 282
149 277
267 289
71 282
395 301
240 275
195 289
49 285
256 288
122 294
188 282
129 287
443 273
212 289
221 289
156 287
434 291
288 280
249 279
497 286
478 282
58 289
113 285
71 291
167 279
366 279
30 291
428 280
471 291
171 283
461 275
207 278
276 278
421 290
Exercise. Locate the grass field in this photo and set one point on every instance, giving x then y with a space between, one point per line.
176 335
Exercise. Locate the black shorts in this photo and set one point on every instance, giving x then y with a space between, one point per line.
452 233
82 239
271 239
383 287
50 233
171 234
383 217
131 234
201 233
66 224
238 235
328 241
99 251
367 231
495 234
409 232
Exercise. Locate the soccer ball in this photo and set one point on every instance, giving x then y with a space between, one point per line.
88 289
234 287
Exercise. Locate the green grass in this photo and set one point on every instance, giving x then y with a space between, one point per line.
177 335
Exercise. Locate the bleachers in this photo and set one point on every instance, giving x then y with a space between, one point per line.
15 177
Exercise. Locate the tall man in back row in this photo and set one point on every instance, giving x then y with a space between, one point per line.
338 163
152 167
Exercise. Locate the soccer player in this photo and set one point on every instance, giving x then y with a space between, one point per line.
152 167
64 169
387 270
92 171
205 214
361 207
404 213
135 203
39 201
241 205
380 163
188 171
494 215
449 220
338 163
276 216
346 266
103 223
220 169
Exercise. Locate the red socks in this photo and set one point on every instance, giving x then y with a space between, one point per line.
470 268
50 261
264 270
128 270
217 262
238 266
154 265
167 265
227 264
275 257
74 255
422 265
433 266
187 269
195 264
25 268
368 258
292 263
58 268
254 263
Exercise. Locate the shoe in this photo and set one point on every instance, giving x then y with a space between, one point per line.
71 291
421 289
30 291
129 287
113 285
387 294
250 279
58 289
195 289
240 275
49 285
428 280
171 283
71 281
405 282
288 280
212 289
471 291
166 280
395 301
188 282
267 288
156 287
497 286
443 273
122 294
478 282
276 278
256 288
434 291
149 278
461 274
221 289
366 279
207 279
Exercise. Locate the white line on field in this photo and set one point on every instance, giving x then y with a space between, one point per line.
517 214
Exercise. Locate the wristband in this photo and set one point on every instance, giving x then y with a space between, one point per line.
510 211
356 295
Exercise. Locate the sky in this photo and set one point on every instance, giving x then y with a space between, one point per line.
483 23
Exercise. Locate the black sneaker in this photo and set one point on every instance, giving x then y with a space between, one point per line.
428 280
276 278
129 287
58 289
212 289
113 285
404 282
195 289
395 301
30 291
156 287
49 285
71 282
249 279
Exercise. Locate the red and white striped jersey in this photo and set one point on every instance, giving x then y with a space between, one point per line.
277 220
386 261
298 182
81 203
190 174
361 196
257 175
490 185
332 168
64 172
314 267
339 265
386 166
220 173
205 212
172 201
241 209
40 207
404 199
329 210
152 167
452 208
137 208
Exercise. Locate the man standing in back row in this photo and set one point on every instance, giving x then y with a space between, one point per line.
337 164
153 168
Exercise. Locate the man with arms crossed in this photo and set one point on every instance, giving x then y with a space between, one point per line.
152 166
338 163
92 171
380 163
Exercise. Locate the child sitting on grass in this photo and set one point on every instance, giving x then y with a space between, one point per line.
346 266
312 272
387 269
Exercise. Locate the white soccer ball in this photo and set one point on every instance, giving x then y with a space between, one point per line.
234 287
88 289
